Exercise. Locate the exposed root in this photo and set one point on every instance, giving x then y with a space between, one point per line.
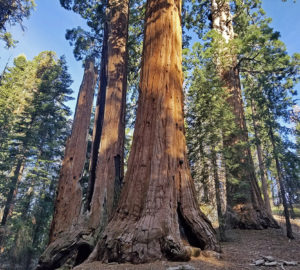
173 250
153 238
244 216
138 246
68 250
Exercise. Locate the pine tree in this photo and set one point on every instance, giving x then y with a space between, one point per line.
208 120
36 138
269 75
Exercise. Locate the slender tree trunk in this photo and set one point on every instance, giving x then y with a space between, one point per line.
278 196
9 204
157 208
40 224
289 231
104 194
16 178
262 169
205 176
3 72
244 198
69 193
221 211
26 260
222 179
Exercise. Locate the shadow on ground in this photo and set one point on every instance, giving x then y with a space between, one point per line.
243 247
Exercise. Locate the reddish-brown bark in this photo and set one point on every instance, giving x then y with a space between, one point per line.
106 167
69 193
158 213
108 175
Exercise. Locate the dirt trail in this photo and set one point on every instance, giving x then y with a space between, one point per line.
243 247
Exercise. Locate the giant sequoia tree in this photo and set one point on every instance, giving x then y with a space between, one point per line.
69 195
109 130
269 78
157 210
244 195
80 228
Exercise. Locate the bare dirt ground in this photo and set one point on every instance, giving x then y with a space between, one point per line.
243 247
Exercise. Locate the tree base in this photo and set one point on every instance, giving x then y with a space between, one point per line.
151 238
244 216
68 250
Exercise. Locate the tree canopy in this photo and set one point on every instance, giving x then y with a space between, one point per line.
13 12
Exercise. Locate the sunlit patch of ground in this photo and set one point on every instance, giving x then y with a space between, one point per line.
278 210
212 262
243 247
295 223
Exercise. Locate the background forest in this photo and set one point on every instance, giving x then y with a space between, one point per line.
242 120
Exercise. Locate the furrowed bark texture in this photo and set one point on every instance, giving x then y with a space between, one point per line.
98 121
247 211
106 167
69 241
109 168
69 193
157 208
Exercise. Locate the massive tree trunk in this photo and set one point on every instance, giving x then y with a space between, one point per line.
106 166
108 174
261 164
248 207
66 234
157 211
69 194
98 119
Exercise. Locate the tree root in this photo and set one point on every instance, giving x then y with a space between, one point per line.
244 216
68 250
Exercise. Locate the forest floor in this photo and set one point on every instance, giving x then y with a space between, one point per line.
238 253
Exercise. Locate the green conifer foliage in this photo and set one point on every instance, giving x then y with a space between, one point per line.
268 76
35 122
208 119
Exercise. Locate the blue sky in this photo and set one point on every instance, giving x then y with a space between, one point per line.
285 19
46 28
